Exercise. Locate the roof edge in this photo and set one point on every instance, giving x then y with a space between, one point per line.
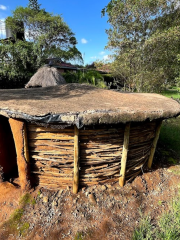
90 118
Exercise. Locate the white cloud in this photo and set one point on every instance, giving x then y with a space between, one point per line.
106 57
84 41
2 7
94 57
102 53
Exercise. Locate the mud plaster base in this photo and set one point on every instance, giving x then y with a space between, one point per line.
18 128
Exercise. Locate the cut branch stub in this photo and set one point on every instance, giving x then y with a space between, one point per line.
76 160
124 155
154 144
19 132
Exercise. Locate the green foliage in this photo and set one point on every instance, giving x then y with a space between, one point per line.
172 160
170 134
79 236
18 59
23 229
47 36
33 4
144 231
89 77
15 223
167 227
16 216
145 38
71 77
27 199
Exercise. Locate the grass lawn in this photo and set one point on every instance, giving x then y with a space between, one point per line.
170 134
171 93
170 131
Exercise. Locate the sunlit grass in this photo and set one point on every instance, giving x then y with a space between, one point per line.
167 226
173 92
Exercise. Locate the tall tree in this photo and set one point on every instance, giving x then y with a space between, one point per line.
144 37
33 4
47 36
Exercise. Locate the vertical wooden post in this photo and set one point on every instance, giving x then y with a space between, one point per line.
19 132
124 155
154 144
76 160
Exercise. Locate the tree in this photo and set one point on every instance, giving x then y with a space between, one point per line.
89 77
144 36
47 36
33 4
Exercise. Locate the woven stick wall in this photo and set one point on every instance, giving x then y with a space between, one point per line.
140 143
100 154
52 153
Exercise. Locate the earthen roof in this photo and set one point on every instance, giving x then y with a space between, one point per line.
84 105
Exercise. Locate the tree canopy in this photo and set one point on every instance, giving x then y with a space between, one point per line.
33 4
46 36
144 36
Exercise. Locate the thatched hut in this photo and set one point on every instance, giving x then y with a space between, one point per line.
72 134
45 77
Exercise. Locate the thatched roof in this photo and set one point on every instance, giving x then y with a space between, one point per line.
46 77
84 105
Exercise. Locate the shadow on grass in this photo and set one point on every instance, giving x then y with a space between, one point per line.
168 148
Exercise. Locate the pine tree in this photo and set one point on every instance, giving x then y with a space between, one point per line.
34 5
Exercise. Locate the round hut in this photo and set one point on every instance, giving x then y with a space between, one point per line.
79 135
45 77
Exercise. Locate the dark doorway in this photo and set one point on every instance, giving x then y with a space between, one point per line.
8 161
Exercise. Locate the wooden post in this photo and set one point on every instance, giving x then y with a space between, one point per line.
76 160
154 144
19 131
124 155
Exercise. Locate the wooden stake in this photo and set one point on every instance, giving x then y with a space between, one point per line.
76 160
154 144
19 132
124 155
25 139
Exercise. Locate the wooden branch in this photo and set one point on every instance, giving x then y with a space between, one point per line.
55 156
25 139
19 132
76 160
124 155
154 144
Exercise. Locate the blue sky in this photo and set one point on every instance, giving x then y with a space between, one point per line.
82 16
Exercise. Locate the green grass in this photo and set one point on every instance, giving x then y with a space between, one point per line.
27 199
167 226
170 131
79 236
15 224
174 92
170 136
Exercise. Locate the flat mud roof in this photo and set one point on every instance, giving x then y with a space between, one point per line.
82 104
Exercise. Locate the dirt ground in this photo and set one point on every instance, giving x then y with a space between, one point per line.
100 212
9 200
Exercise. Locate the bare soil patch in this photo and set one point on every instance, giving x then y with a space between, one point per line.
98 212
